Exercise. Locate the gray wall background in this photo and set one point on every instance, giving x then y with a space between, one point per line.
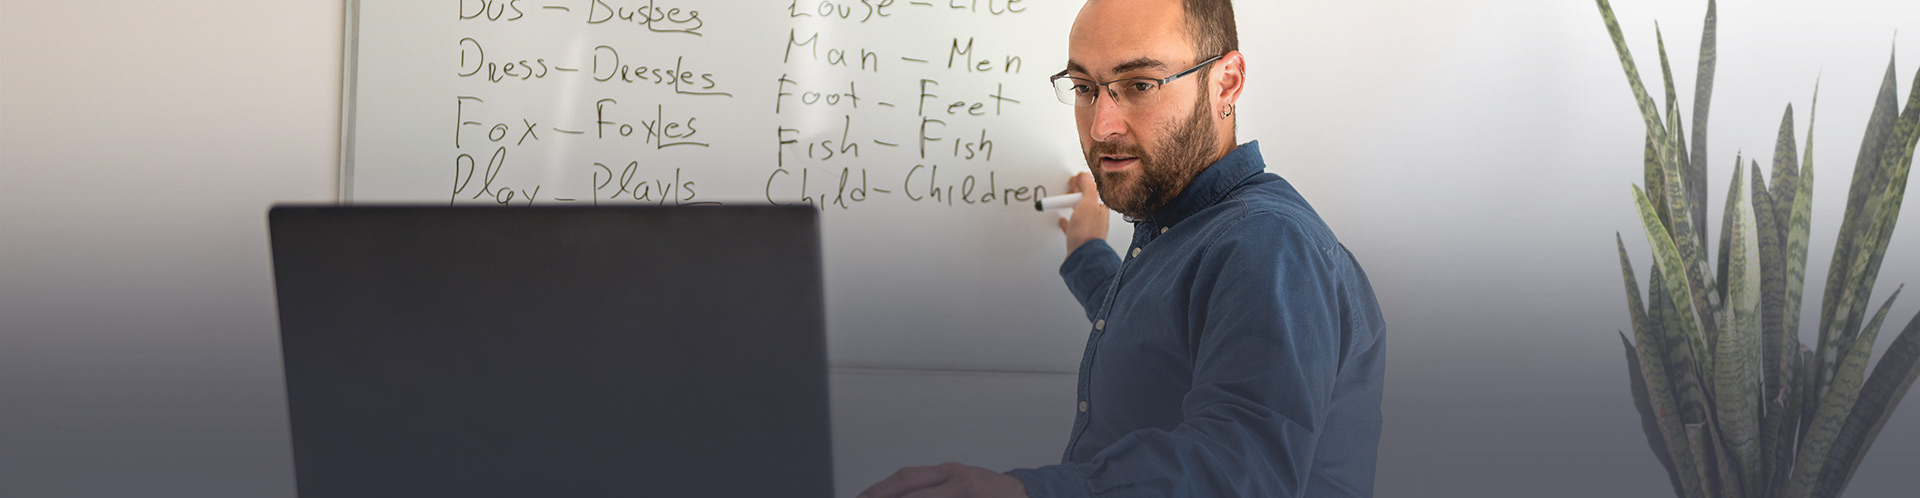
1474 154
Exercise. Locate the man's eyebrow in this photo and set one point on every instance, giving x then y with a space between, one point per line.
1138 64
1076 67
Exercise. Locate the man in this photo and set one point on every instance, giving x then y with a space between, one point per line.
1236 348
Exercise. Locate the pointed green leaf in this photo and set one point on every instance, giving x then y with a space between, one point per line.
1798 233
1867 184
1883 208
1772 308
1701 444
1736 378
1799 223
1783 453
1881 393
1685 347
1667 258
1690 249
1666 74
1726 228
1728 482
1786 169
1648 111
1656 181
1695 186
1896 161
1667 434
1696 174
1835 407
1649 419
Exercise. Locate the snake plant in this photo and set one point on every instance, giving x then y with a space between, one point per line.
1732 403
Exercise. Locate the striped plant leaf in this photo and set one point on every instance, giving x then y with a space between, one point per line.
1695 268
1799 223
1881 393
1896 161
1683 375
1783 454
1666 77
1692 269
1691 265
1649 419
1786 169
1728 483
1678 144
1666 257
1688 229
1648 111
1865 187
1772 303
1884 210
1695 272
1656 181
1696 174
1666 435
1697 439
1798 235
1835 407
1736 377
1726 228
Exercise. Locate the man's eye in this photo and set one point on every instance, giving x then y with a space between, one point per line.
1140 86
1082 88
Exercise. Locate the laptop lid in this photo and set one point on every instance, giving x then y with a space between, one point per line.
564 351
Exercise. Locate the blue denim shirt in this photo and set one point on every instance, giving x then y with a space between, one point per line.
1236 350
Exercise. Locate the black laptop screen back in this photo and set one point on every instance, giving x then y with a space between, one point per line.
553 352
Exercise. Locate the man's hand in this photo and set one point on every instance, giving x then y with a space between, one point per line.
948 480
1089 220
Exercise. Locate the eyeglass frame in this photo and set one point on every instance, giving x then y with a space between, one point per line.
1157 83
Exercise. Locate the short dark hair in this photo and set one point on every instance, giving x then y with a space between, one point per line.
1210 25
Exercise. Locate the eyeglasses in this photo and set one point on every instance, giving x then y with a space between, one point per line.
1132 92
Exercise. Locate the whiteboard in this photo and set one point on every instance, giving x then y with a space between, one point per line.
923 131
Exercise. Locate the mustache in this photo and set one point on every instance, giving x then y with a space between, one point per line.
1115 149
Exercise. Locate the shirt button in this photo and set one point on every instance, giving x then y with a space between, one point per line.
1164 229
1136 252
1100 324
1083 407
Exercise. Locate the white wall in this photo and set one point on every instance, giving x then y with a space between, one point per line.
141 144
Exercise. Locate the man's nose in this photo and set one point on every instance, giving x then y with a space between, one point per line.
1107 114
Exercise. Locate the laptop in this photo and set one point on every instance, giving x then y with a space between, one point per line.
553 352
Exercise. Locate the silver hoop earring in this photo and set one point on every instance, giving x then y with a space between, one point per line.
1228 112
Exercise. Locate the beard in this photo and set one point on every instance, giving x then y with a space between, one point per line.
1163 172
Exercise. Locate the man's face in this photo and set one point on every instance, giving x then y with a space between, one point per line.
1141 157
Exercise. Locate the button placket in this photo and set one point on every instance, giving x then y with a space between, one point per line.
1081 420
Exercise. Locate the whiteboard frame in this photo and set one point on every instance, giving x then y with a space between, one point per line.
349 80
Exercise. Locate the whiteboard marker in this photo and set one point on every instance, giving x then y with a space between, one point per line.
1062 201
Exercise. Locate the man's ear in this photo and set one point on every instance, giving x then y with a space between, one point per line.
1229 78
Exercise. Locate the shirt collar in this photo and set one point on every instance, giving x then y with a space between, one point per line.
1211 185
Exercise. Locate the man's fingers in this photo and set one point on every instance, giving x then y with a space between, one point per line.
905 480
1073 184
1063 223
1091 200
